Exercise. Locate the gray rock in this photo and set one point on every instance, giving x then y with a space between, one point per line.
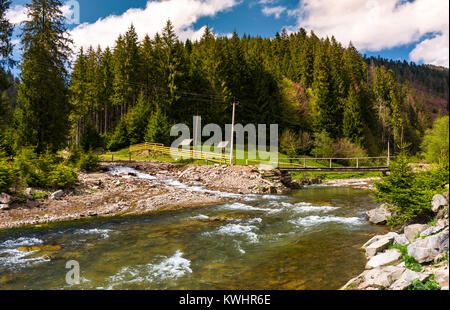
378 246
390 235
379 215
443 213
412 231
441 277
426 250
406 278
57 195
29 193
5 199
389 257
4 206
432 230
401 240
383 276
438 202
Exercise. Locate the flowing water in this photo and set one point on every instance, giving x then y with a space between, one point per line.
309 239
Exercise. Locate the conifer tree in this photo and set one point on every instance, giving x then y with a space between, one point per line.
43 94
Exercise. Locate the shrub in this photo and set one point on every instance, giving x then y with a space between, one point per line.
89 162
27 166
409 193
6 176
61 176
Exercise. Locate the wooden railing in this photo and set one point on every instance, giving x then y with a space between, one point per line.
180 153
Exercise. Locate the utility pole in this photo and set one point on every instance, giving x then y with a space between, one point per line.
232 131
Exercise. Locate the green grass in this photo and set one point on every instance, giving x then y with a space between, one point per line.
410 262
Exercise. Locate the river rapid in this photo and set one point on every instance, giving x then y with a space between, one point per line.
309 239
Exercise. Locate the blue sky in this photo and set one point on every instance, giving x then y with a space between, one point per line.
414 30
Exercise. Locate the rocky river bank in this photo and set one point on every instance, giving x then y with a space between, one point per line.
416 255
160 186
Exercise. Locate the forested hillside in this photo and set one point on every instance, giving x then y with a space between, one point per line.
136 90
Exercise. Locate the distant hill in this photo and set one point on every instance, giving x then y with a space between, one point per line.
430 83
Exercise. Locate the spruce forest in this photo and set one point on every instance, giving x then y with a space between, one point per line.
134 91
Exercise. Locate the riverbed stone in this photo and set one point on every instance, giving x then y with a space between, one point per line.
4 206
379 215
401 240
412 231
406 278
29 193
378 246
438 202
441 277
5 199
382 277
57 195
426 250
389 257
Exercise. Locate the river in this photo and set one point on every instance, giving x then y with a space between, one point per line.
309 239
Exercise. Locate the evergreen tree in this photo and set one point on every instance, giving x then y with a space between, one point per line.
43 94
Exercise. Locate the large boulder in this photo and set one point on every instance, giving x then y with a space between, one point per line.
382 277
407 277
438 202
441 277
378 246
413 231
387 258
426 250
379 215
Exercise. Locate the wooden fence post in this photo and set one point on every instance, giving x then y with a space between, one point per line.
357 163
331 162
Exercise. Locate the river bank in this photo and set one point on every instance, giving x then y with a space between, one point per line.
148 187
144 188
414 257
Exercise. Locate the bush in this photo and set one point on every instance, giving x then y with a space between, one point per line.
27 166
411 194
6 176
43 171
61 176
89 162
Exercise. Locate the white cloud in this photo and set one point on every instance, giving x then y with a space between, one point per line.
152 19
275 11
381 24
16 14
